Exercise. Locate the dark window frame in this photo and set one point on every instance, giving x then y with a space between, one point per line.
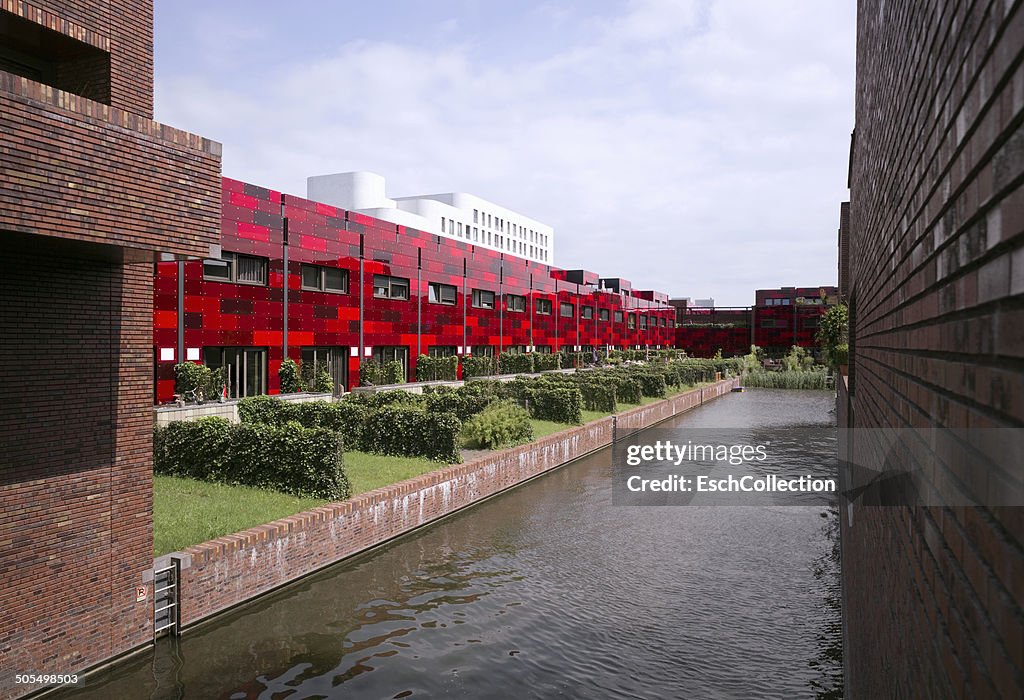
540 303
390 281
586 312
437 290
519 300
561 309
231 260
321 271
478 299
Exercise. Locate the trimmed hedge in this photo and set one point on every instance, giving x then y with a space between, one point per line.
515 363
544 361
374 373
599 396
432 369
411 432
651 384
499 425
558 404
464 404
478 366
345 417
290 458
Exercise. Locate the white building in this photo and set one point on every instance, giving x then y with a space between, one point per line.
452 214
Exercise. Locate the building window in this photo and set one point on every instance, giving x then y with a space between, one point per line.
618 317
514 302
565 309
544 306
587 312
442 224
811 323
441 350
631 321
602 314
236 267
483 351
774 323
671 323
441 293
385 287
482 299
543 349
515 349
643 322
476 216
324 279
333 360
245 369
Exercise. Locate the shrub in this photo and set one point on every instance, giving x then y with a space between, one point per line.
478 366
515 363
463 403
561 405
346 417
382 399
411 432
841 354
430 369
627 389
394 372
787 380
651 384
543 361
599 396
190 376
288 373
289 458
314 376
499 425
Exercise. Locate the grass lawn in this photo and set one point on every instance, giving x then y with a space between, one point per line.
187 512
367 471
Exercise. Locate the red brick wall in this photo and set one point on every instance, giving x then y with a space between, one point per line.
934 595
232 569
75 451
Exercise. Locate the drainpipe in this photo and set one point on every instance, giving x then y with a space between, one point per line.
362 295
501 304
419 302
285 277
181 311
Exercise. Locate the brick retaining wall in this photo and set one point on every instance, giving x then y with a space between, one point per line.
229 570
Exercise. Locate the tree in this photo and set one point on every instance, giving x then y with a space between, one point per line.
834 332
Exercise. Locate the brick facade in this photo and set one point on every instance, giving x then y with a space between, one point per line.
934 596
90 192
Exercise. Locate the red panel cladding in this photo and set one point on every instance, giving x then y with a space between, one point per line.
483 272
443 261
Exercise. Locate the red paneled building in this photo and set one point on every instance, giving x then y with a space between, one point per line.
312 282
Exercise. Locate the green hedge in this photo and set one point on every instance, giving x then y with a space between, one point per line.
290 458
460 401
544 361
651 384
412 432
810 379
599 396
432 369
190 375
345 417
515 363
478 366
499 425
561 405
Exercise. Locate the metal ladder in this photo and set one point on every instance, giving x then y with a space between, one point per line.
166 612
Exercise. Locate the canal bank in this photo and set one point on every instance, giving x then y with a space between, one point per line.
217 575
548 590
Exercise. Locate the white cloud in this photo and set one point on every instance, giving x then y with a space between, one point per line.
695 148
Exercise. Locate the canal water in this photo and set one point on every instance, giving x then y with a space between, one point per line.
548 591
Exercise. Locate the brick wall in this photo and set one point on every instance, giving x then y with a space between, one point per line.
232 569
75 444
934 595
123 28
90 191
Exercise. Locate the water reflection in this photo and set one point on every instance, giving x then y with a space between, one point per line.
547 591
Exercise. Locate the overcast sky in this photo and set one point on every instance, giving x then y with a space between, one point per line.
695 147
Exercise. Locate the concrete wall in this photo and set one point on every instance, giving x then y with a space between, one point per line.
934 594
232 569
228 410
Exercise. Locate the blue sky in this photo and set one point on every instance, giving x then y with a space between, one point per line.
697 147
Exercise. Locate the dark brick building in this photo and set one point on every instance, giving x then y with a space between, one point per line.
90 190
934 591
